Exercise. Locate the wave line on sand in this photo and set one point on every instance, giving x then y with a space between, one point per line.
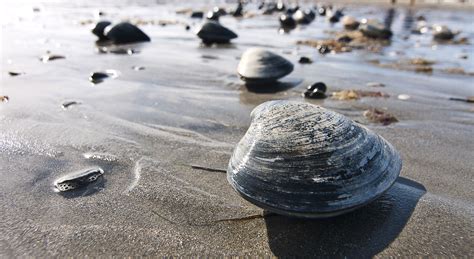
136 176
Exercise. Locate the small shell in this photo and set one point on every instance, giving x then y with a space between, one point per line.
442 33
302 160
259 65
214 32
350 23
78 179
374 29
124 33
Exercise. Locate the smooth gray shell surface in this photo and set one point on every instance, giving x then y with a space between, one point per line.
262 65
214 32
301 160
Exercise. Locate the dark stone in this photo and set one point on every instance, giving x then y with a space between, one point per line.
287 21
305 60
98 77
125 32
197 14
316 91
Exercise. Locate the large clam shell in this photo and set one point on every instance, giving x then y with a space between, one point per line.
214 32
302 160
124 33
259 65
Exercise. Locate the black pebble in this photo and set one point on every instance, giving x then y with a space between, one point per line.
316 91
197 14
305 60
98 77
286 21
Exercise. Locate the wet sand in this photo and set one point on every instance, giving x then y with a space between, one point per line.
147 128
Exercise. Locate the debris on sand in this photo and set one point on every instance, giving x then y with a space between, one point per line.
350 94
345 42
326 46
66 105
50 57
379 116
457 71
13 73
421 62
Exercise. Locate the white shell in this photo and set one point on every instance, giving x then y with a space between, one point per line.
258 64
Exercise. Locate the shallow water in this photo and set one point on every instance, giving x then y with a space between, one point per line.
145 128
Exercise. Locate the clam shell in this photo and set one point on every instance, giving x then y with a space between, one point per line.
99 28
350 23
375 29
302 160
441 32
124 33
259 65
78 179
214 32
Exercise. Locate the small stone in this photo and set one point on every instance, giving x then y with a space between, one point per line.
98 77
197 14
315 91
305 60
287 21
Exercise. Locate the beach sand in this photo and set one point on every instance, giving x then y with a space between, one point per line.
147 128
